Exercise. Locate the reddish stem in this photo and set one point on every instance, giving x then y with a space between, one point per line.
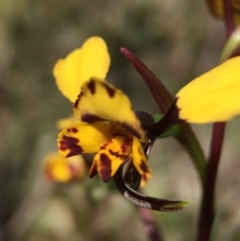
229 23
207 208
150 225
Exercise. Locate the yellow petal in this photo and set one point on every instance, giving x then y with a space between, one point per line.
106 165
216 7
101 100
95 59
66 122
60 169
212 97
83 138
140 161
111 157
92 60
66 74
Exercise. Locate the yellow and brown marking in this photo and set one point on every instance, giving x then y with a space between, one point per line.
92 86
70 144
91 118
111 92
105 167
78 99
131 130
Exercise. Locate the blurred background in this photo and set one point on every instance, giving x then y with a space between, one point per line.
177 40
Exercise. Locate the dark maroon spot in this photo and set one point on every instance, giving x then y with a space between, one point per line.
111 92
92 87
125 144
90 118
74 130
105 171
78 99
71 144
106 144
143 166
116 154
131 129
144 177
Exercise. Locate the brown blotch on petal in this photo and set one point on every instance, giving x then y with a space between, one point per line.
106 144
91 86
105 169
131 130
78 99
91 118
71 144
144 177
72 130
125 144
111 92
143 167
117 154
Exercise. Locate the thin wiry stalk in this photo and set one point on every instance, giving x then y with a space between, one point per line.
150 226
207 212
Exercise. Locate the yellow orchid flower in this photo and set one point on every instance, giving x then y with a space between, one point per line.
108 125
60 169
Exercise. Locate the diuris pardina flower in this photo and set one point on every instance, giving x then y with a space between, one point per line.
107 126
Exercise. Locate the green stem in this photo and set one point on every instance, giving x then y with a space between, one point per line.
190 142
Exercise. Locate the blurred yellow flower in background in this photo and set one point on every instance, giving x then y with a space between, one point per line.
60 169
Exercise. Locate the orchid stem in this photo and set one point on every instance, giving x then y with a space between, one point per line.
207 208
150 226
228 17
